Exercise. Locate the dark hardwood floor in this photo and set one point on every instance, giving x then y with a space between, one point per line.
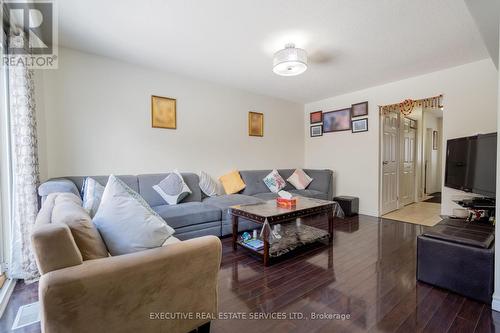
368 273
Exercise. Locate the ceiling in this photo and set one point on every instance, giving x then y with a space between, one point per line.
352 44
486 14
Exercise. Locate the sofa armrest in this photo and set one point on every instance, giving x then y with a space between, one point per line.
54 247
59 185
137 292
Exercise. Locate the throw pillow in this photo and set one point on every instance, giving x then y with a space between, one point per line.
67 209
299 179
92 193
208 185
274 181
126 222
232 182
172 189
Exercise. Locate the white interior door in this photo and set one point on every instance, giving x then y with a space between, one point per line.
407 177
390 125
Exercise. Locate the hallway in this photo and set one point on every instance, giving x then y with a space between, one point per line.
423 213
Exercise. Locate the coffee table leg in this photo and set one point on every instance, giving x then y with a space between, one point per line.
266 246
330 224
235 231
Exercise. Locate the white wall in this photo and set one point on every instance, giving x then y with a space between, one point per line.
95 118
470 93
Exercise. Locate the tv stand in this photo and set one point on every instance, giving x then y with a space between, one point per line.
477 203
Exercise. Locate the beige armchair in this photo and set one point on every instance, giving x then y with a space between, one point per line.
167 289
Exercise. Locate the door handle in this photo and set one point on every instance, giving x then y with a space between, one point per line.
385 162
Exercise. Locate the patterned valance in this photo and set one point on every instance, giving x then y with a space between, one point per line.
407 106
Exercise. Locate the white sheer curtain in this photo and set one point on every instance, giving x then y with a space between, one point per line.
25 172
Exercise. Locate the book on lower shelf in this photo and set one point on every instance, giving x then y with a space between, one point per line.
255 244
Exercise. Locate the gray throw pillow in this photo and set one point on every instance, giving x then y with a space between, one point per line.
207 184
172 189
126 222
92 193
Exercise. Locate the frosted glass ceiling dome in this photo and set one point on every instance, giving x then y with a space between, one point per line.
290 61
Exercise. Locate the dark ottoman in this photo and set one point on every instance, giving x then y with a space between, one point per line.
350 205
458 256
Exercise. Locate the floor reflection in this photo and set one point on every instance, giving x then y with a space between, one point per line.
368 272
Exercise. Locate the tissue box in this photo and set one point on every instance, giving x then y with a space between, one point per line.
286 203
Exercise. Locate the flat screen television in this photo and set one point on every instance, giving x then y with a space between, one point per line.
471 164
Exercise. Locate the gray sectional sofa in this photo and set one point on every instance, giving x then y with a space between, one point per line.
199 215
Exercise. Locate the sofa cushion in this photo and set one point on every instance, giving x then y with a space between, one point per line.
322 180
266 196
310 194
232 182
147 181
254 181
126 222
199 230
255 184
129 180
243 225
225 201
67 209
188 213
172 188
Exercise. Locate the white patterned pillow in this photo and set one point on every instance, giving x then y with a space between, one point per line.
300 179
274 181
92 194
207 184
126 222
172 189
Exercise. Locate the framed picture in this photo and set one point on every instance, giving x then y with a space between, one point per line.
316 117
360 125
316 130
335 121
413 123
163 112
255 124
434 140
359 109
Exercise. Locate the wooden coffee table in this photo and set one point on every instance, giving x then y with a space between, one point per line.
275 214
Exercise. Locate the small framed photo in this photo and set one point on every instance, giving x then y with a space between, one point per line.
255 124
336 121
359 109
360 125
434 140
316 117
316 130
163 112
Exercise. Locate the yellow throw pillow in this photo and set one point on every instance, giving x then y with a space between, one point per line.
232 182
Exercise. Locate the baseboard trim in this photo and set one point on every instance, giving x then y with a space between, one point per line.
5 294
495 303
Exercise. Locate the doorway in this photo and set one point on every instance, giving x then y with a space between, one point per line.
411 167
433 124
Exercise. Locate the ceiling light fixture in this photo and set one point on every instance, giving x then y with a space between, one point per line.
290 61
